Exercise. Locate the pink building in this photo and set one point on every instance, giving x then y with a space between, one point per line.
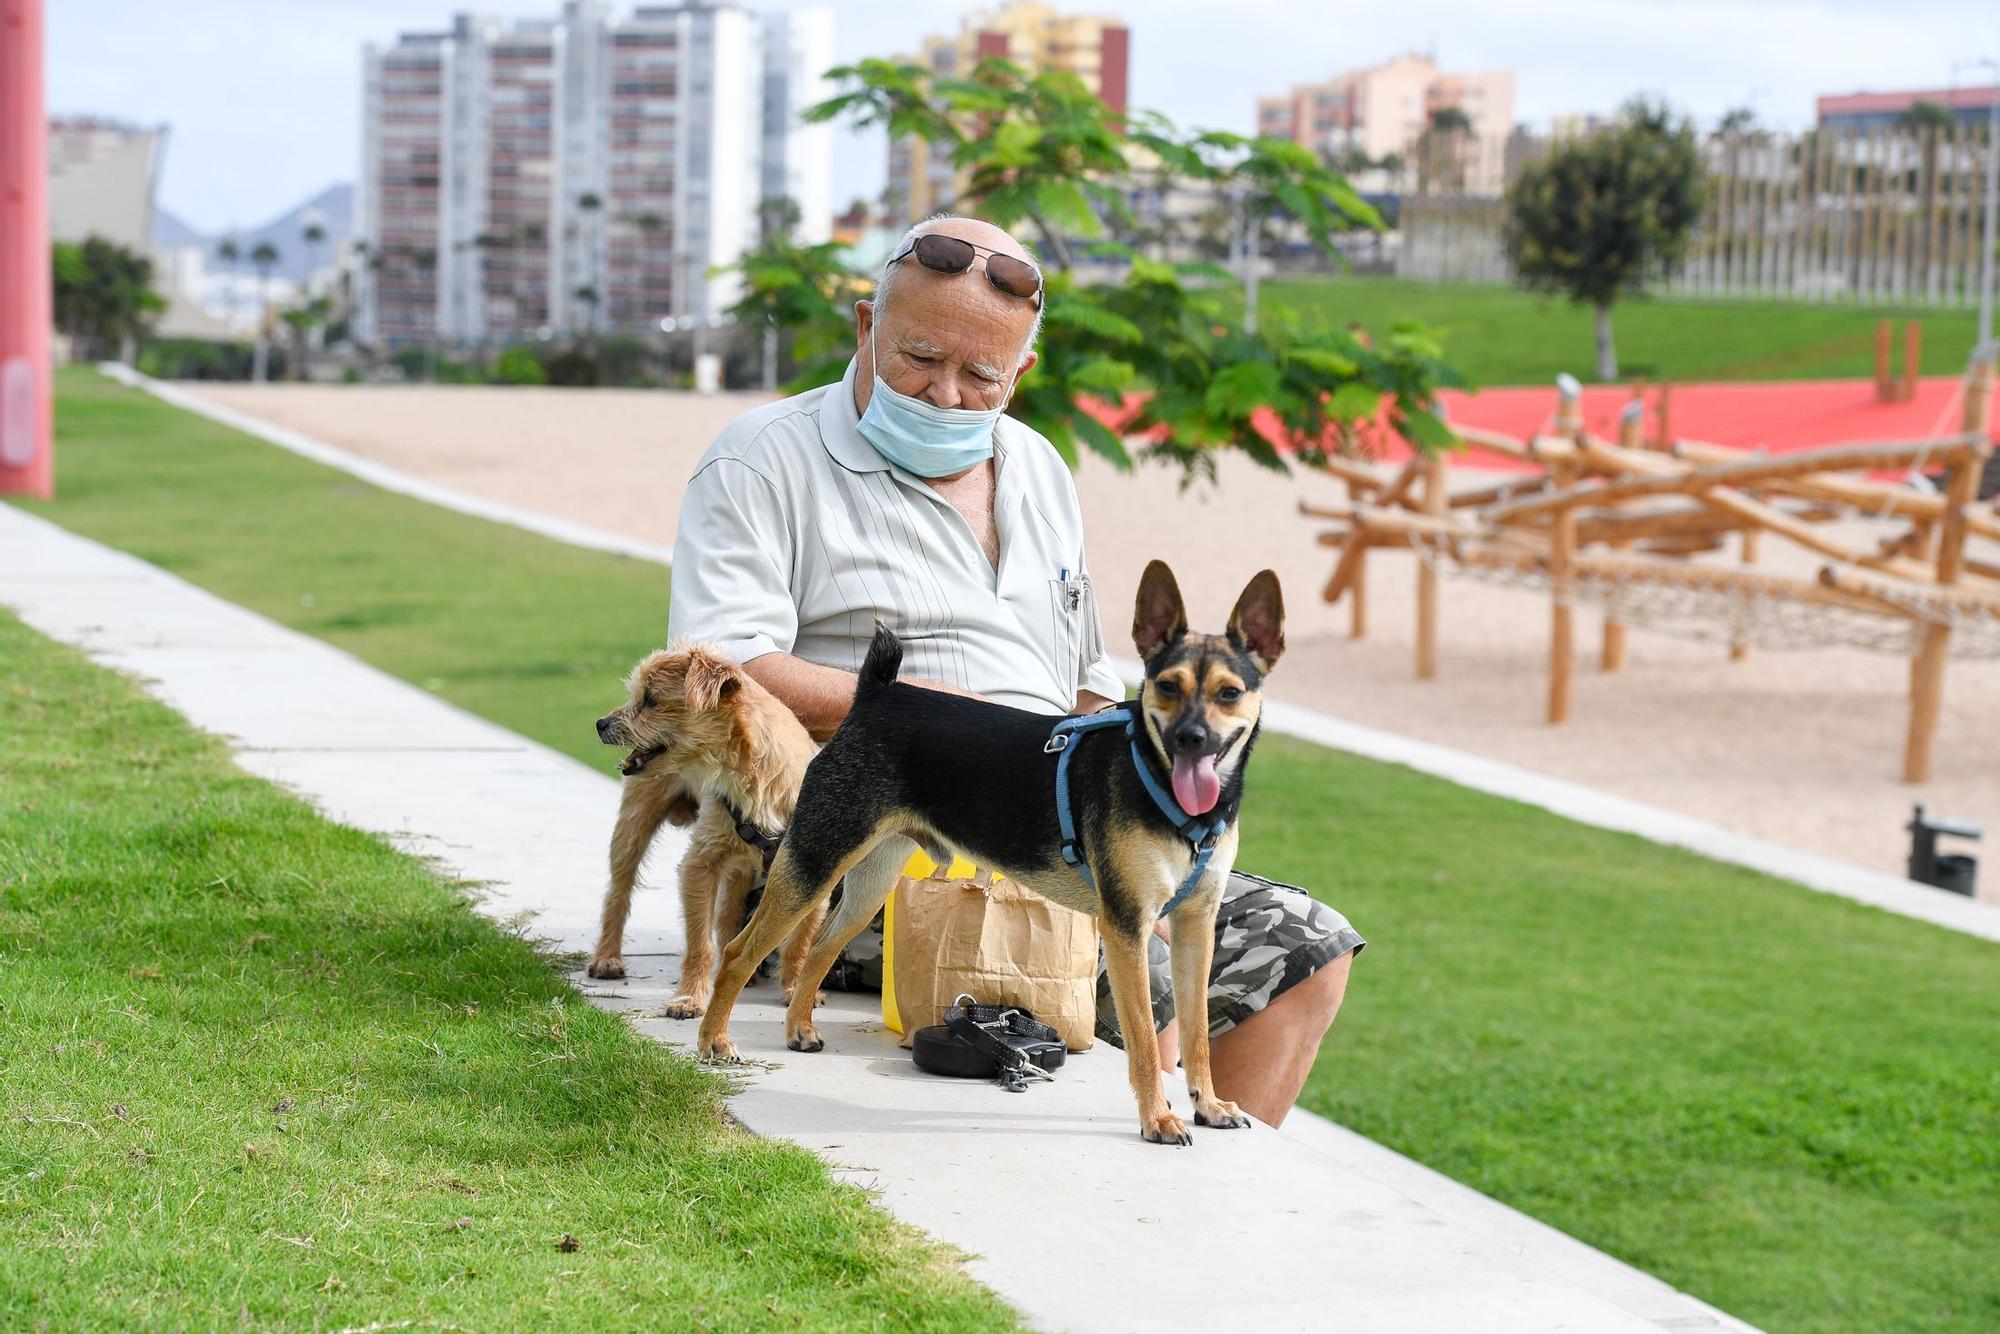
1380 112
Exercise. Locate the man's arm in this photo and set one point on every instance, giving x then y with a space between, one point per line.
732 563
820 696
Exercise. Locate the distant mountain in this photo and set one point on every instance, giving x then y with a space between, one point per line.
170 233
332 208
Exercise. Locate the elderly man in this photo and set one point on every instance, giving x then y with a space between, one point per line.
905 494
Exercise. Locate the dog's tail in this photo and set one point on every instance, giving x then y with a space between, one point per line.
884 661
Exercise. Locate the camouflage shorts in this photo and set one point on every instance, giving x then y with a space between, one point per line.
1268 938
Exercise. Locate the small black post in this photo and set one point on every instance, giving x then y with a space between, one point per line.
1956 872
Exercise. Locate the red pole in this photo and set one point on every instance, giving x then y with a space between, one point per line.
27 463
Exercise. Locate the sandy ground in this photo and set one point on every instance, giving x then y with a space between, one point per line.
1802 748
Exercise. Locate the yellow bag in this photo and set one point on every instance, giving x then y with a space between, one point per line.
943 934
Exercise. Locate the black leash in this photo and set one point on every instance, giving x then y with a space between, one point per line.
997 1042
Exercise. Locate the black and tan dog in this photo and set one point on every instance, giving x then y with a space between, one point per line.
980 779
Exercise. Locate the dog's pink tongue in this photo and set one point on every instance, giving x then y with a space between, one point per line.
1196 786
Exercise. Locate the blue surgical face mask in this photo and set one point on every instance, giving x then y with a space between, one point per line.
922 438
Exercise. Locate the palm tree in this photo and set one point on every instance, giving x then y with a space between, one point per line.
1441 149
1924 116
1738 121
778 217
229 252
425 260
351 276
264 256
590 204
1449 119
313 235
299 324
587 296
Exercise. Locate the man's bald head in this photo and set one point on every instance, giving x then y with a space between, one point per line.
979 233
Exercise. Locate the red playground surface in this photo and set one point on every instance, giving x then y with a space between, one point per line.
1777 416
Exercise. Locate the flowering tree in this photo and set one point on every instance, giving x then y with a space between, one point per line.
1155 341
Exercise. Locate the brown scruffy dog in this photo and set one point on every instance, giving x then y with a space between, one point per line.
712 748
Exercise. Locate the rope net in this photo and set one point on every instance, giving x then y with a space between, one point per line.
1754 618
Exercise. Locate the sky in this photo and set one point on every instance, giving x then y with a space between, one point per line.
262 97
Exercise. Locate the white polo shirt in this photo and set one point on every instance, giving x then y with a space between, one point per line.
796 537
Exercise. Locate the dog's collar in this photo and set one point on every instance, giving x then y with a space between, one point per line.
1201 834
755 835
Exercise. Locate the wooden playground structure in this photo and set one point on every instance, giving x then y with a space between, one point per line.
1622 526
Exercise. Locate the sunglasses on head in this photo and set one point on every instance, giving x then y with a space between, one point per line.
949 254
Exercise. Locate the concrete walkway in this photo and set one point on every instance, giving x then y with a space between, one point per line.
1068 1215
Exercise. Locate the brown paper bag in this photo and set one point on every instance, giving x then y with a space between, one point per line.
1002 944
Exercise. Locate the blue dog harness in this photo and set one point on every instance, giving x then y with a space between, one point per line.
1201 835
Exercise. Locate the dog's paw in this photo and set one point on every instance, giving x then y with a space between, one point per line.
819 997
685 1006
1166 1128
718 1051
1219 1114
805 1038
610 968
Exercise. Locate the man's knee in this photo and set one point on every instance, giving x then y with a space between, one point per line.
1316 1000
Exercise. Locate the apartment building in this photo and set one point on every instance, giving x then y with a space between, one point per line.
798 158
1380 114
1097 50
103 177
580 173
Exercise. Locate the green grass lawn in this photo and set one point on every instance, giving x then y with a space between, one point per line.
1782 1102
460 606
262 1071
1502 335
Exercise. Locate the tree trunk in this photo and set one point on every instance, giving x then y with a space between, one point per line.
771 359
261 358
1607 356
1055 249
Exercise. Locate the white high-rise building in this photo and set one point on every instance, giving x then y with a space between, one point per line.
581 173
798 158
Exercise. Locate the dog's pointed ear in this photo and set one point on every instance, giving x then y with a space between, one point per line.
1159 619
711 678
1257 626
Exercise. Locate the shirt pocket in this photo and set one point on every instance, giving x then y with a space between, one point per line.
1079 639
